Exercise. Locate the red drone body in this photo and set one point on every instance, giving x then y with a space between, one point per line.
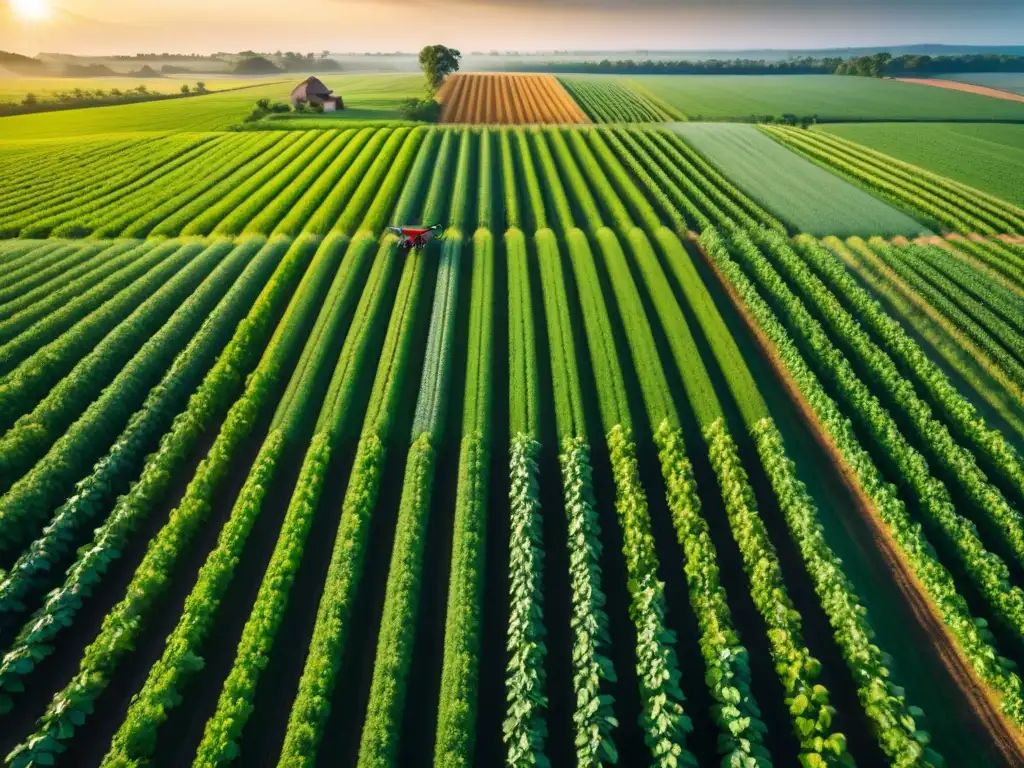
416 237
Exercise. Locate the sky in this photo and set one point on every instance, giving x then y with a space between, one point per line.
94 27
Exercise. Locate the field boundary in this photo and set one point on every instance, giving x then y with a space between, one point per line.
953 85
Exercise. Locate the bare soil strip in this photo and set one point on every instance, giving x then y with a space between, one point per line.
982 700
952 85
524 99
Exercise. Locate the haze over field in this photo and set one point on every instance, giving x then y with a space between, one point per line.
127 26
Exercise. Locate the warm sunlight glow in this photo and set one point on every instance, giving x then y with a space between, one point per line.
31 10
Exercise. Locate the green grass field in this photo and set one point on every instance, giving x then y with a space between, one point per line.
13 88
831 98
366 96
1004 81
989 157
804 196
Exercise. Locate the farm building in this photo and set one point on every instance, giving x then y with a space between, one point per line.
313 91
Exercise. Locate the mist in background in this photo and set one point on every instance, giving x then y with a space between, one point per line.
94 27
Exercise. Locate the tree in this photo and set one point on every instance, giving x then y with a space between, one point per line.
438 62
324 54
185 90
30 100
201 87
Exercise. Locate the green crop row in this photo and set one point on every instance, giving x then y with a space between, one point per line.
36 326
1004 300
985 569
923 261
373 182
85 357
593 719
735 711
923 183
883 702
47 292
850 160
523 385
92 404
71 706
606 101
312 702
957 461
664 724
111 473
1007 363
224 729
382 728
69 262
947 338
974 639
456 729
525 727
807 701
169 215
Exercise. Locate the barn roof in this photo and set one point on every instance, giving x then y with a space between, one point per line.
311 86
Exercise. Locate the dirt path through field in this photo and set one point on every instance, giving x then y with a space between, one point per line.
952 85
982 701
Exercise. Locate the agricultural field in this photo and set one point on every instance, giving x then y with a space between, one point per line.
988 157
831 99
607 101
641 463
507 100
16 88
366 96
801 194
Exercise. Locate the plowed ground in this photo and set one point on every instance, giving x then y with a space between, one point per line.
500 99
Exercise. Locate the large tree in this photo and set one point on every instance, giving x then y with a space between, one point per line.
438 61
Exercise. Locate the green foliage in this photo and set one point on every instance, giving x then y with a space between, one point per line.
425 110
740 739
373 182
975 641
437 62
898 724
525 727
610 384
988 157
394 183
954 206
831 99
993 345
82 360
808 701
605 100
383 725
312 702
524 397
594 719
662 719
805 196
433 396
939 446
456 719
565 377
70 706
127 454
84 412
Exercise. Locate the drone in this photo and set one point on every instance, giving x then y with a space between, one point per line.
416 237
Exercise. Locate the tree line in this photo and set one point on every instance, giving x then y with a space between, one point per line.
876 65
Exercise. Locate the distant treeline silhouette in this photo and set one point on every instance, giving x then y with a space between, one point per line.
876 65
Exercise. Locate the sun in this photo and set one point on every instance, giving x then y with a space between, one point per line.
31 10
